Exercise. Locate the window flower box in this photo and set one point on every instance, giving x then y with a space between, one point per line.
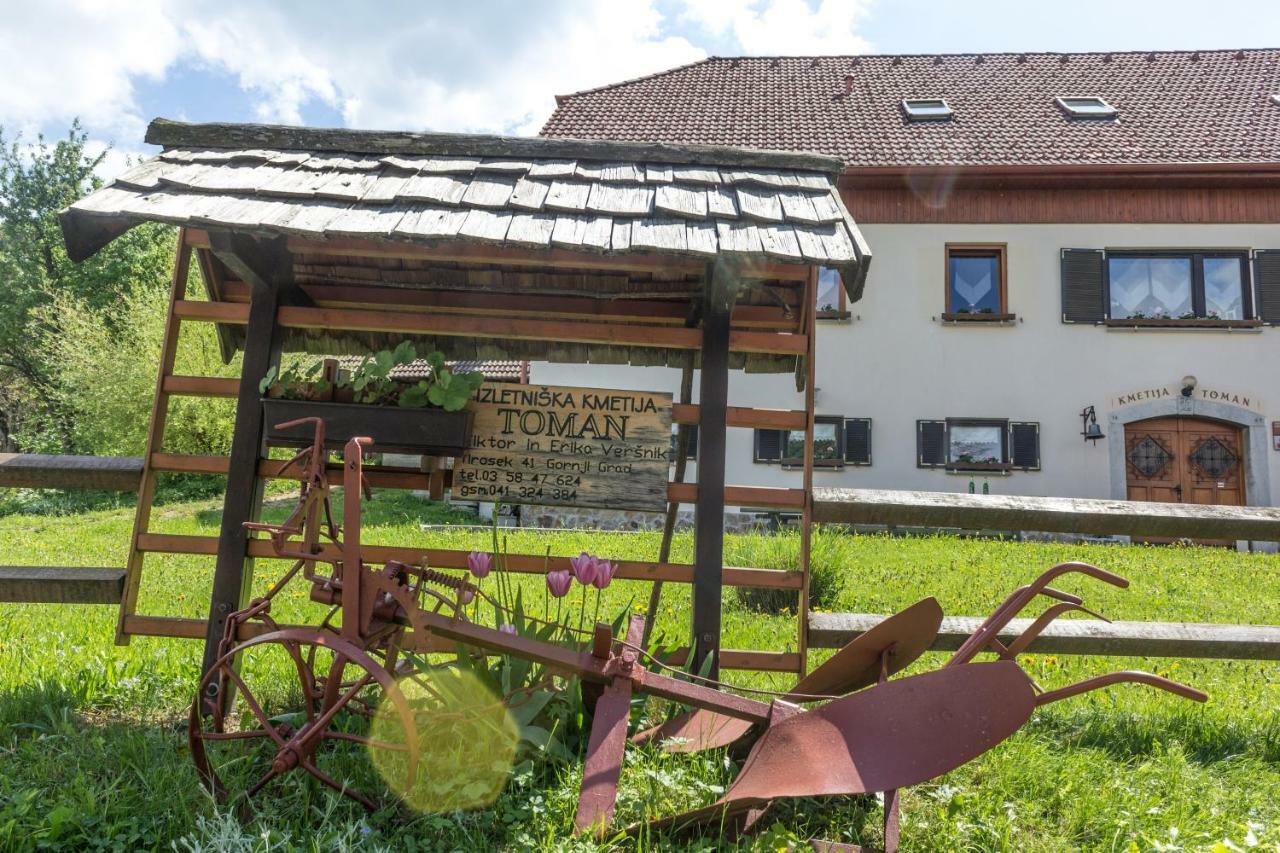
1178 323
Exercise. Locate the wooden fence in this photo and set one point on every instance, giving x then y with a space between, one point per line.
1061 515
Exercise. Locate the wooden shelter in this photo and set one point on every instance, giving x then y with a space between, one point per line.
339 241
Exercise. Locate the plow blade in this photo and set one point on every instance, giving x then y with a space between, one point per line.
904 637
894 735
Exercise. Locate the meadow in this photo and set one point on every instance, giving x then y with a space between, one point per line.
93 748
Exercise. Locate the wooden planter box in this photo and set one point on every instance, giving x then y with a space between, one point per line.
428 432
979 467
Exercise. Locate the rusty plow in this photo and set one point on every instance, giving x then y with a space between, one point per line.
848 727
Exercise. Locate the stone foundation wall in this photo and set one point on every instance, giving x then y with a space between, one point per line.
621 519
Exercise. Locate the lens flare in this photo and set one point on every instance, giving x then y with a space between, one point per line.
466 741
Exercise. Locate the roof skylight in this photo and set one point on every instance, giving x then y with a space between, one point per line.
1086 107
927 109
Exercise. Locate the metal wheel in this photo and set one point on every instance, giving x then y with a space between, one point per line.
308 700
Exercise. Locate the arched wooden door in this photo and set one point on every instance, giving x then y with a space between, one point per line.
1185 460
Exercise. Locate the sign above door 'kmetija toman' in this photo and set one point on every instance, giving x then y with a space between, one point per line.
585 447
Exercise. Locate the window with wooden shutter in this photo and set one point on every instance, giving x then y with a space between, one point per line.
857 441
1266 274
769 443
931 444
1083 286
1024 445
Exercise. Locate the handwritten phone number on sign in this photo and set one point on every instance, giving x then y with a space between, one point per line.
488 483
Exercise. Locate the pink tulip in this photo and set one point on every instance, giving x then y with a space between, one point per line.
506 629
480 563
604 573
468 594
559 582
584 568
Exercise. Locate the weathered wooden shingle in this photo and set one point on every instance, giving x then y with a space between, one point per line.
623 199
530 229
553 169
445 189
568 195
485 225
682 201
751 204
529 194
488 191
759 204
432 222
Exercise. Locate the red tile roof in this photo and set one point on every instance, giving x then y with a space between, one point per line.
494 370
1174 107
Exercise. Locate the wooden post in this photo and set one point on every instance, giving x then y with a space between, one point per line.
673 507
810 326
708 514
267 268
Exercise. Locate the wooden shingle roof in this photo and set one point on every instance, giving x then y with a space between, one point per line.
603 197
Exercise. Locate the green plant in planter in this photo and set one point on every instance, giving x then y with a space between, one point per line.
371 380
295 382
446 389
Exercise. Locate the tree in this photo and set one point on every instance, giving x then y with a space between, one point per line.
36 181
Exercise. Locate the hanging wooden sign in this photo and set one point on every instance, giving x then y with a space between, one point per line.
584 447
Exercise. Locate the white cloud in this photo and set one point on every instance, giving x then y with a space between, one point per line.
480 65
477 66
783 27
60 59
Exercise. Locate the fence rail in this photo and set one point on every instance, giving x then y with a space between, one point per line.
1083 636
1051 515
44 471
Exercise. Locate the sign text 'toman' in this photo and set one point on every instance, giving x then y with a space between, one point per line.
586 447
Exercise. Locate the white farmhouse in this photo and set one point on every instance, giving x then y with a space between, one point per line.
1076 275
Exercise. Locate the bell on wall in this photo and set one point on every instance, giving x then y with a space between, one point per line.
1092 431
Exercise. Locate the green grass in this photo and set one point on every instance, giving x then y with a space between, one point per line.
93 749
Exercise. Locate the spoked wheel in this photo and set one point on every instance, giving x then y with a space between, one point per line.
304 700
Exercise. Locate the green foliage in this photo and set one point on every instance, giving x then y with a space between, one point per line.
106 378
36 181
296 380
782 551
371 380
92 736
371 383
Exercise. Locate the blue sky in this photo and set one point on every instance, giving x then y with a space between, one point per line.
495 65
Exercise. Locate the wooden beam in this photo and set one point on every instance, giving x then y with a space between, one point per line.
175 543
55 585
1082 637
42 471
664 337
270 267
763 497
744 416
211 312
202 386
1053 515
748 659
670 312
170 133
414 323
708 510
186 628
